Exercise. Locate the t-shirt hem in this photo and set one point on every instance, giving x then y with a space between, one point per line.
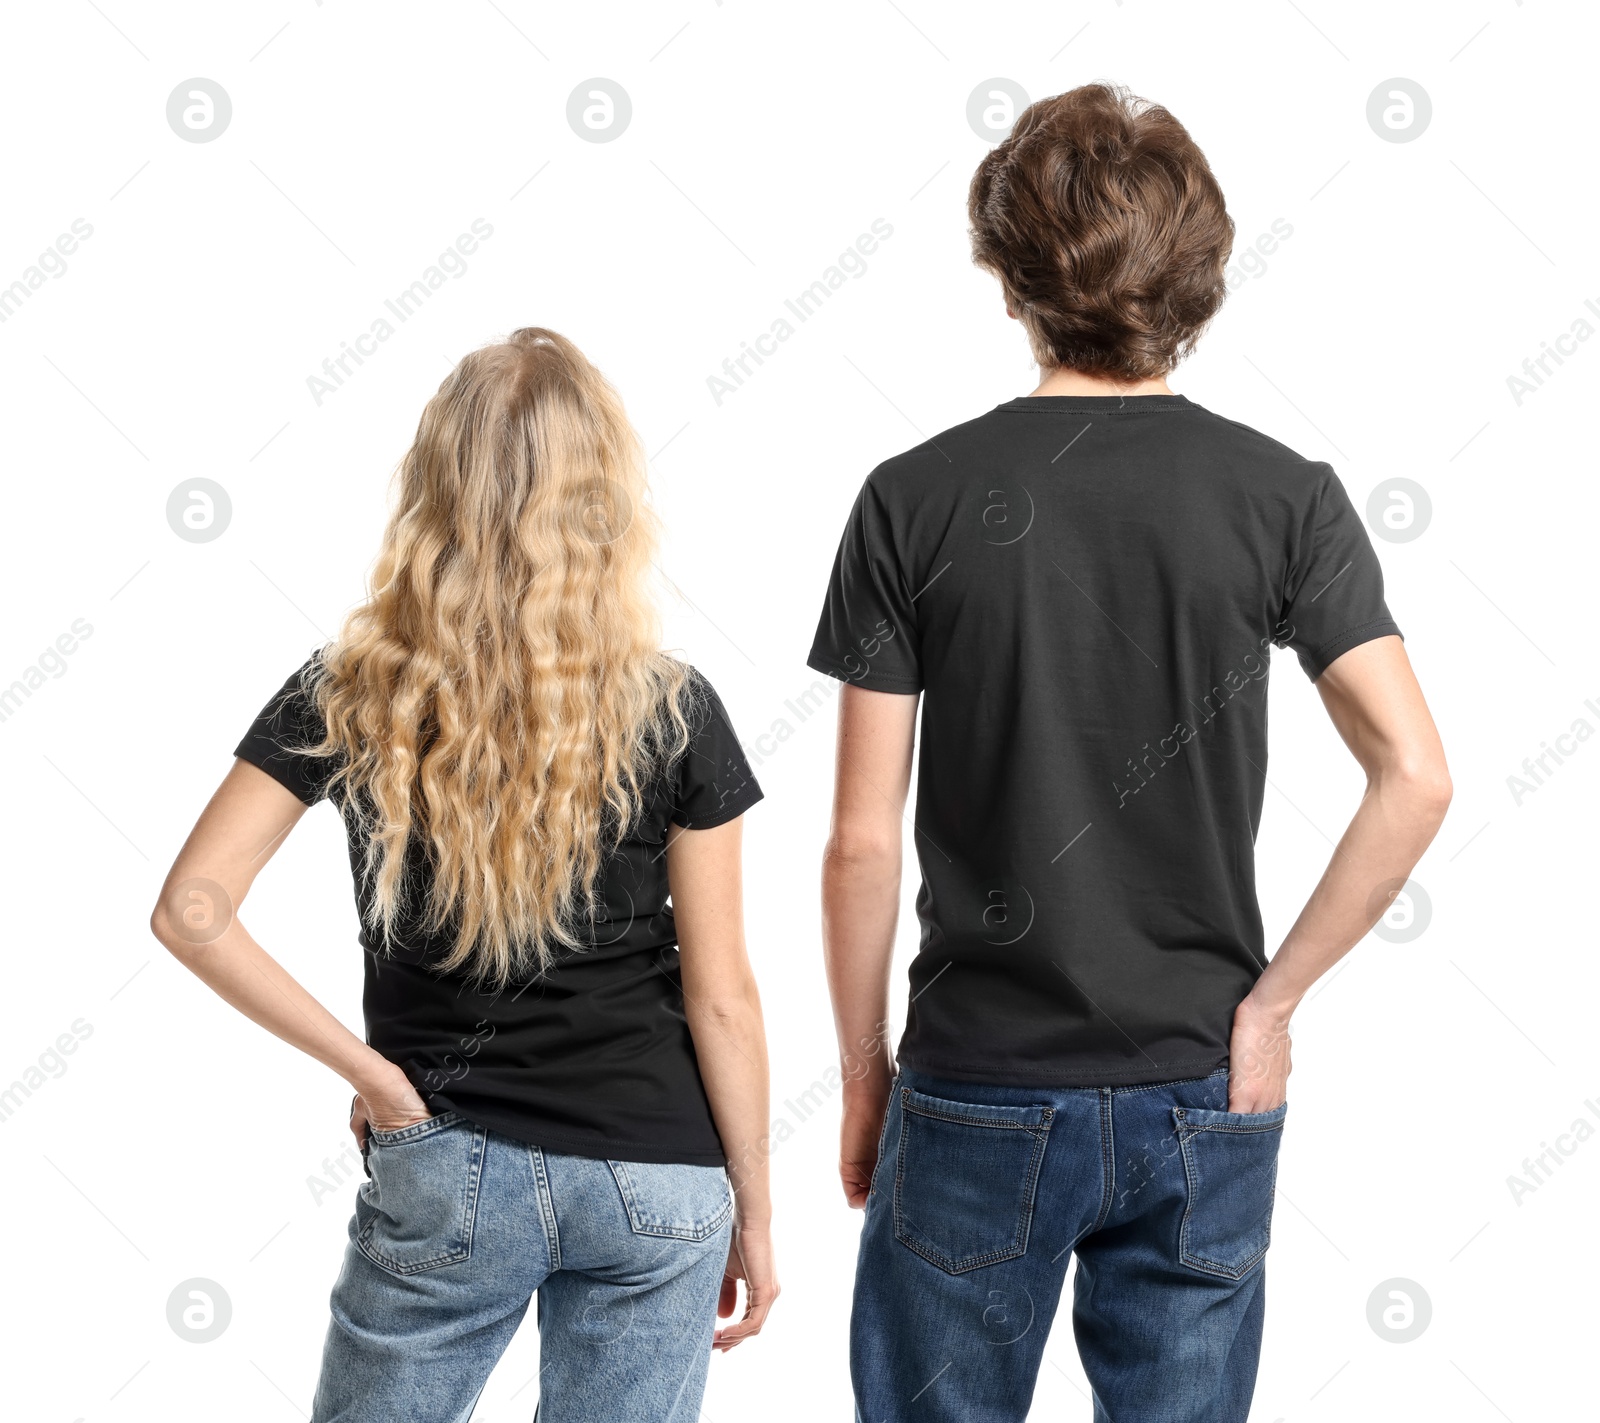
248 750
592 1148
1101 1074
725 814
872 681
1320 658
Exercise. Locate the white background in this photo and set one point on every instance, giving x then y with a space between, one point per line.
180 1140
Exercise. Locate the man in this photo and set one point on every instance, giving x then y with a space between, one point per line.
1084 586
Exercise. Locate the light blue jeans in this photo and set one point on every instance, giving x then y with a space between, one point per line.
459 1227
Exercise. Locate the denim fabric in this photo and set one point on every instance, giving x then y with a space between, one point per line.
456 1230
982 1195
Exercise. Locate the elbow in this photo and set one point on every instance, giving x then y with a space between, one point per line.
862 849
1441 790
161 924
729 1006
185 929
1425 783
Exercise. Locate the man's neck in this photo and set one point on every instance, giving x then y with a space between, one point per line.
1058 380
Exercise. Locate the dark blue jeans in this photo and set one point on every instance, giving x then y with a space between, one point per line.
981 1196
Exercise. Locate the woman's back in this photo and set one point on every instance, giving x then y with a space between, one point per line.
590 1055
564 1069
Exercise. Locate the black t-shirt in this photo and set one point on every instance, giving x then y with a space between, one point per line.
594 1058
1086 591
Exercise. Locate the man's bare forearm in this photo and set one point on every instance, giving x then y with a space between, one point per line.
860 907
1396 821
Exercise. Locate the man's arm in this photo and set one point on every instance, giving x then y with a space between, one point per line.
860 903
1374 700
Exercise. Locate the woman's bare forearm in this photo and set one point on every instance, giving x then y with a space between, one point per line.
730 1044
723 1006
240 971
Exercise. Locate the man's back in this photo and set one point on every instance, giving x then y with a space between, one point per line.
1082 588
1086 591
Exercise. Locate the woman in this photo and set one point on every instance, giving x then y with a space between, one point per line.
563 1072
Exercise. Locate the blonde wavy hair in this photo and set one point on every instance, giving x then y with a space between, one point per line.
501 700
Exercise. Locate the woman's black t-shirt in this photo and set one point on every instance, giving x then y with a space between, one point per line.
592 1058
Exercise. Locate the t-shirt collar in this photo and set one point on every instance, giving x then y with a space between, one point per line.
1095 404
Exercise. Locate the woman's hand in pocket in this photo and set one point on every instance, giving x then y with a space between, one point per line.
386 1103
749 1259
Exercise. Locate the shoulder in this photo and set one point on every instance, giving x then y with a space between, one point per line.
285 735
1258 451
699 702
294 706
713 781
941 461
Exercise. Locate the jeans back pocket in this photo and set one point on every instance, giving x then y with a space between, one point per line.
674 1202
965 1179
418 1210
1230 1160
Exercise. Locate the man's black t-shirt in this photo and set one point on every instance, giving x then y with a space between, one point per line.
1086 591
593 1058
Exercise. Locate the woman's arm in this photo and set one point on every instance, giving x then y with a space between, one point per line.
723 1007
197 918
860 904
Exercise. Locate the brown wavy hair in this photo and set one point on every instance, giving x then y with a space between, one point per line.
499 705
1107 230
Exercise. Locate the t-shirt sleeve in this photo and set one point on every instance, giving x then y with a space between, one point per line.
714 783
1333 595
288 721
867 633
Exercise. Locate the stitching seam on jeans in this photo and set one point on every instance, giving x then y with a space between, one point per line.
1108 1159
417 1131
547 1206
998 1122
1234 1128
